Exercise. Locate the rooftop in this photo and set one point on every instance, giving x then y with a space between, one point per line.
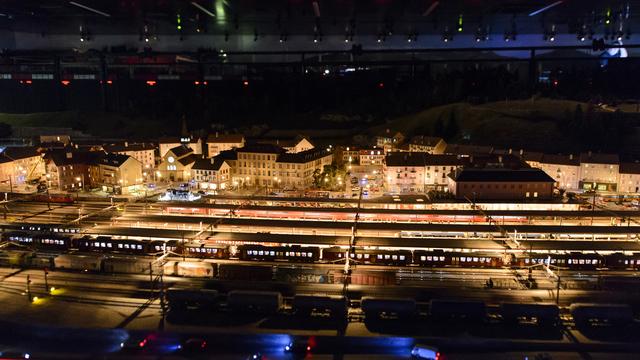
599 158
261 148
129 147
181 150
303 156
559 159
111 159
502 175
208 164
12 153
225 138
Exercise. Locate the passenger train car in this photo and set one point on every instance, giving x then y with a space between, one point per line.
60 242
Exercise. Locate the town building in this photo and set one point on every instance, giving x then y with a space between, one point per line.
143 152
116 173
294 145
256 164
532 158
389 140
167 143
217 143
19 165
599 171
629 177
467 150
212 173
69 169
295 170
500 184
371 156
176 164
564 169
427 144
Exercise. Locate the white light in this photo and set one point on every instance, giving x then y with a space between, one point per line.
327 71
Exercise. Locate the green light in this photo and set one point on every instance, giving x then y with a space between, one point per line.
460 23
179 27
608 19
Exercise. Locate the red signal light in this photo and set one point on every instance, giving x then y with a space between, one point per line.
245 83
381 85
65 82
151 83
109 82
196 82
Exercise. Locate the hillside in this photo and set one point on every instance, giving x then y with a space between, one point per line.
541 124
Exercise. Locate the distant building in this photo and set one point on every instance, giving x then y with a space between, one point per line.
629 177
217 143
467 150
389 140
564 169
427 144
501 184
143 152
116 173
295 145
176 163
20 164
599 171
211 174
167 143
533 158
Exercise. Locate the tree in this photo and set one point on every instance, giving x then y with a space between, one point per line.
5 130
452 128
438 127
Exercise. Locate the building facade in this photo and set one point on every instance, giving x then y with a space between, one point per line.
599 171
501 184
564 169
176 164
167 143
18 165
143 152
116 173
216 143
212 173
629 177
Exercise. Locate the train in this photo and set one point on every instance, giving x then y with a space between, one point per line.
62 242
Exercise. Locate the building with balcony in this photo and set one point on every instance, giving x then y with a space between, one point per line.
211 174
116 173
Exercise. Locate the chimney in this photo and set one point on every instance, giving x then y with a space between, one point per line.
521 152
126 144
590 153
510 151
77 147
216 134
570 156
211 161
69 154
500 159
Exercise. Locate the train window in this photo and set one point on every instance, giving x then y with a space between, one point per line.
109 245
379 256
139 247
402 257
588 261
298 254
422 258
387 256
581 261
310 255
394 257
568 261
475 259
272 253
260 252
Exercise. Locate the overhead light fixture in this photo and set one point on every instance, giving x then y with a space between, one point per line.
283 37
203 9
85 7
446 35
381 38
545 8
